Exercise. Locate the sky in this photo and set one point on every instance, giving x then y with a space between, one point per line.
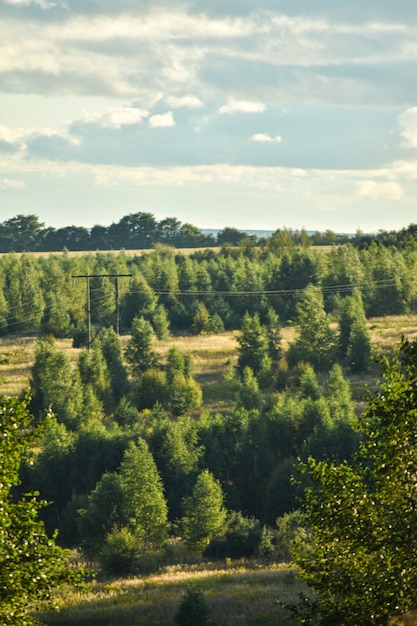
258 115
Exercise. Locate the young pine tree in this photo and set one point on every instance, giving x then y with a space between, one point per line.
204 512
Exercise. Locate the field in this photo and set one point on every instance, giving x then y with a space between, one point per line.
213 356
236 593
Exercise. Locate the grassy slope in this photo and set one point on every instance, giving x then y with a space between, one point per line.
235 594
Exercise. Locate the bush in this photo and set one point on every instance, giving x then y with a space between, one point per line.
193 609
241 538
120 552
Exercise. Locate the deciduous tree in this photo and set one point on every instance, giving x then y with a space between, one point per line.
362 556
31 564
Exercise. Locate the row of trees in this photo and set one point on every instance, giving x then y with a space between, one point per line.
25 233
136 231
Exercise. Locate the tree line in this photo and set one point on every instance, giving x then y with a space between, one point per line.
136 231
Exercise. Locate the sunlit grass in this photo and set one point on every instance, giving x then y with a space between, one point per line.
237 593
213 356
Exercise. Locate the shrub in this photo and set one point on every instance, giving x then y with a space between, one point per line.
193 608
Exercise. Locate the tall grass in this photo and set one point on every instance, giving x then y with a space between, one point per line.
212 356
235 593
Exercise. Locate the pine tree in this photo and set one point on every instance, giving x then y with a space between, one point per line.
253 346
140 352
316 341
144 503
204 512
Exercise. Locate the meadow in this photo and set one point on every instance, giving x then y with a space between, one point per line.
236 593
213 356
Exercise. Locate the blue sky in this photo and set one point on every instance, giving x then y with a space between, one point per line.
259 115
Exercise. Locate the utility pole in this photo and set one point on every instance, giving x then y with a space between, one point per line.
116 292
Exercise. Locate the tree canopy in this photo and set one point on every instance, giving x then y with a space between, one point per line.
362 554
31 564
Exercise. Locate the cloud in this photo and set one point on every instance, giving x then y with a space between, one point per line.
164 120
264 138
117 117
42 4
408 127
242 106
7 183
187 102
374 190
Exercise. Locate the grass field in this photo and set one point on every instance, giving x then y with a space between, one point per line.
236 593
212 356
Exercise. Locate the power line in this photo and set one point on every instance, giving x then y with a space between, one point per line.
116 291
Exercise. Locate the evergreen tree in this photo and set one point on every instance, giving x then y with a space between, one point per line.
216 324
109 344
140 352
139 301
160 322
359 348
144 503
316 341
201 320
253 346
204 512
175 363
351 310
104 512
184 394
249 396
151 389
193 608
309 386
62 393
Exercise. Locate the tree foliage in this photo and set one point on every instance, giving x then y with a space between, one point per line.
31 564
140 351
316 341
204 512
364 515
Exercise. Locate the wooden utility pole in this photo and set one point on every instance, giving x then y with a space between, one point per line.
116 292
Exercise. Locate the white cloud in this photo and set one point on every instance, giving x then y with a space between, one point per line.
116 117
188 102
242 106
408 127
264 138
163 120
8 183
10 135
374 190
43 4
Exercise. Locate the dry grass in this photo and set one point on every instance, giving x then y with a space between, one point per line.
81 253
17 354
386 332
236 594
212 356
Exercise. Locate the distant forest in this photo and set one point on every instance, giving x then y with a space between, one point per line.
136 231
